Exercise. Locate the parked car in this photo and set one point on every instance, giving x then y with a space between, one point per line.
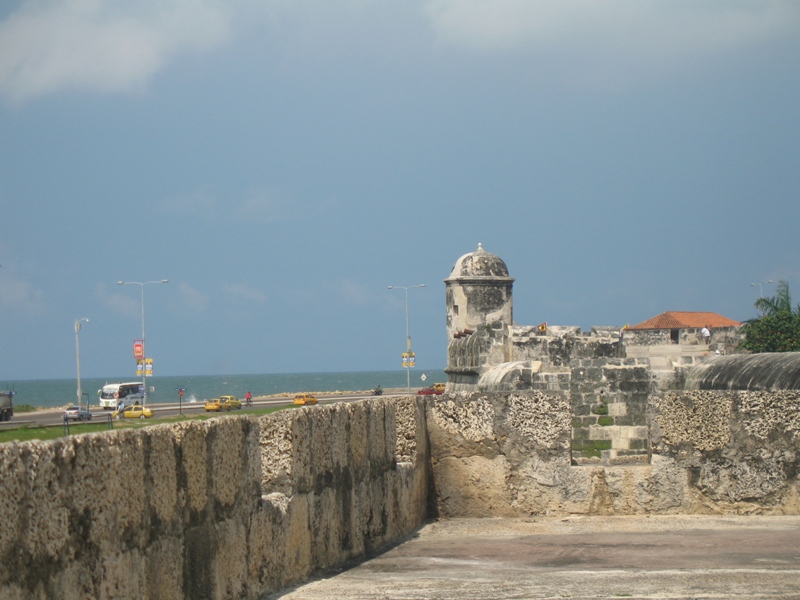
137 411
232 400
77 413
305 399
218 404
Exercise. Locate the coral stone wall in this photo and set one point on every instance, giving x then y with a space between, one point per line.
508 454
233 507
740 450
238 507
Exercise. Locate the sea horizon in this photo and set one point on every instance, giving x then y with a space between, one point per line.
51 393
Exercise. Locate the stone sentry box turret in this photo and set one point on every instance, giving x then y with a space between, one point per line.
478 293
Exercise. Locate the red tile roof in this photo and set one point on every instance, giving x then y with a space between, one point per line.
676 319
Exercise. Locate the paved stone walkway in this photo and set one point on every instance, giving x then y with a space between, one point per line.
579 557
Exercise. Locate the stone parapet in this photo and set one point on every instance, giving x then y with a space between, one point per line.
709 452
238 507
234 507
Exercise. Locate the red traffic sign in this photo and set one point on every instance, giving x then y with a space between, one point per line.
138 349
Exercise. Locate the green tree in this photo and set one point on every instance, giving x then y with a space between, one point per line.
778 329
781 302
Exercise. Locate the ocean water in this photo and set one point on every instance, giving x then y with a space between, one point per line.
61 392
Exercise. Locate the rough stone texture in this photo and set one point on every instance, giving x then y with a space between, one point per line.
740 449
237 507
470 355
609 403
498 454
560 346
691 421
510 454
227 508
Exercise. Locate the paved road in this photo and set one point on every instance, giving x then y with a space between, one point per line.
580 557
54 417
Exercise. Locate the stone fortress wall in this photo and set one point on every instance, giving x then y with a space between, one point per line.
511 454
233 507
238 507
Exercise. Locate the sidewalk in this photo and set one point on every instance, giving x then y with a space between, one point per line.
580 557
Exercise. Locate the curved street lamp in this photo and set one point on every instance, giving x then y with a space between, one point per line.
760 290
408 335
78 356
760 287
144 352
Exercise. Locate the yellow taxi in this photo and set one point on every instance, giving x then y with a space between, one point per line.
305 399
218 404
232 400
135 411
439 387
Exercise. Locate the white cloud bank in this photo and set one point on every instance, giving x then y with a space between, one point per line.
607 42
101 45
19 296
118 45
666 26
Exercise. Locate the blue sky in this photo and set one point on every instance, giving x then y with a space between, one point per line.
282 163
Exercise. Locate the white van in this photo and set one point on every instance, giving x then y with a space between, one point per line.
129 393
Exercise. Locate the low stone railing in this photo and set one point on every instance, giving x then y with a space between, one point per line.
238 507
234 507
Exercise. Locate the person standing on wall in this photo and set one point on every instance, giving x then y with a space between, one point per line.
706 333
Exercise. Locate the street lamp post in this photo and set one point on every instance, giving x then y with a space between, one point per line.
760 290
78 356
144 351
408 335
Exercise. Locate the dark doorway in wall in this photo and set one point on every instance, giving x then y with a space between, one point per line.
674 335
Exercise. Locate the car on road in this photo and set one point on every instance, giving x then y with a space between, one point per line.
305 399
137 411
430 391
218 404
77 413
232 400
439 387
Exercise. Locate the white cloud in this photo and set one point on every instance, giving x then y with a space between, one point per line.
128 304
245 292
18 295
112 46
265 207
199 203
611 36
351 293
670 25
102 45
191 299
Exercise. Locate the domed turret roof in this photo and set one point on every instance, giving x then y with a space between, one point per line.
479 264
